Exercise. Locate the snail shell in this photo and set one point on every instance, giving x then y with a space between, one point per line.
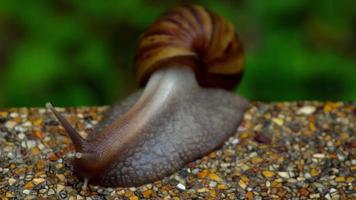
193 36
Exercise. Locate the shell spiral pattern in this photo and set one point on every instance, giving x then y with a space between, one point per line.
195 36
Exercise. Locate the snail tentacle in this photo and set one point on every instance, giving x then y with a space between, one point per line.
78 141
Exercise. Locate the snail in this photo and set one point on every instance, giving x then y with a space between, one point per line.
188 61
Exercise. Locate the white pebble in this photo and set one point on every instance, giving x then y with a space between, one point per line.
14 115
235 141
31 144
212 184
306 110
26 191
10 124
283 174
11 181
21 136
181 186
268 184
319 155
307 176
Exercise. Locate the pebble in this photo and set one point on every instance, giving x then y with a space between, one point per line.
242 184
278 121
11 181
306 110
283 174
51 192
215 177
10 124
181 186
267 174
26 191
37 181
319 155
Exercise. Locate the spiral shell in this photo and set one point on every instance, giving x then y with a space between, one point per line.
195 36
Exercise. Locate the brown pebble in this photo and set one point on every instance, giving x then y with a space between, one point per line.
28 185
303 192
40 164
35 151
262 138
249 195
53 157
37 134
202 174
147 193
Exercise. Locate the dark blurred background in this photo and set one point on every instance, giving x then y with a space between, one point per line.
81 52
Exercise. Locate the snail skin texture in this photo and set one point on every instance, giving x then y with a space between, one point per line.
186 61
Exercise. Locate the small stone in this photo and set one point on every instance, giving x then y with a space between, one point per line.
244 135
222 187
181 186
256 160
37 181
242 184
319 155
37 134
268 184
28 185
283 174
10 124
267 174
60 188
147 193
278 121
303 192
212 194
350 179
306 110
214 177
40 164
61 177
51 192
212 184
314 196
9 194
344 136
202 174
314 172
53 157
26 191
262 138
202 190
307 176
134 198
35 151
340 179
11 181
21 136
30 144
249 195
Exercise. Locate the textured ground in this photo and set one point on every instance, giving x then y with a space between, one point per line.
305 150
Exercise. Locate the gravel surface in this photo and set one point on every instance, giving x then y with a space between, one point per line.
299 150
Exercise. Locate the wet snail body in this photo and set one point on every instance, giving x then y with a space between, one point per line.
180 115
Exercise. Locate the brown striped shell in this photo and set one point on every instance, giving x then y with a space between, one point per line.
194 36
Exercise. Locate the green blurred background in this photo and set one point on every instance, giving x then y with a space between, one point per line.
81 52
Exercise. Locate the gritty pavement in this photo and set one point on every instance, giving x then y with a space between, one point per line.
297 150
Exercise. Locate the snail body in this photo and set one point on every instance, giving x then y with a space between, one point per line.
178 117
